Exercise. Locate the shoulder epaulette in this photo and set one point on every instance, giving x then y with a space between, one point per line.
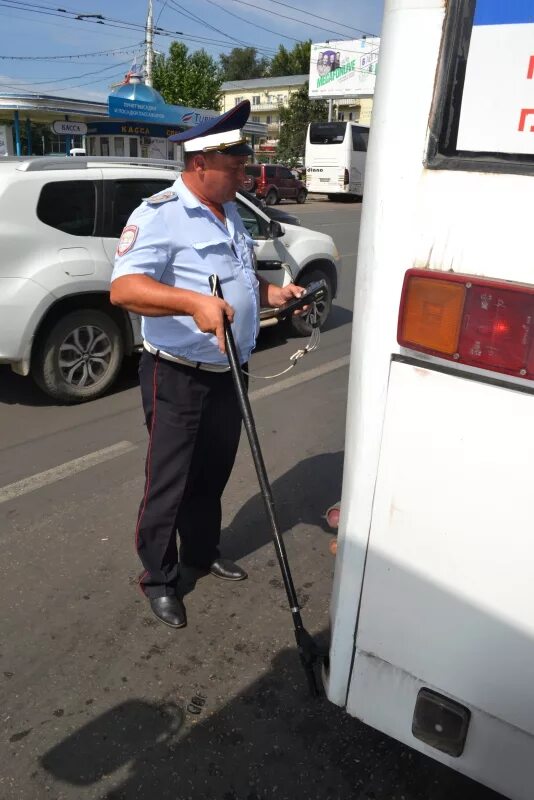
161 197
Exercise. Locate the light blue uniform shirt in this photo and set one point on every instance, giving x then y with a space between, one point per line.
176 240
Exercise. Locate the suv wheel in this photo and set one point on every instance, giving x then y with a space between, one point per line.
271 198
80 356
301 325
302 195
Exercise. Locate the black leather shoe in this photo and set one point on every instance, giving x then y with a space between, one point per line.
227 570
170 610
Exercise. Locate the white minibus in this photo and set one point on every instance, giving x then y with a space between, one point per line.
335 158
432 611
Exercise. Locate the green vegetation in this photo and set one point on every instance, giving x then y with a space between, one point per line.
295 119
188 79
242 63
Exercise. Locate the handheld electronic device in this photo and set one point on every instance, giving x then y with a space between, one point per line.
314 291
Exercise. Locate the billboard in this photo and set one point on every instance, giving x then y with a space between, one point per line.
343 69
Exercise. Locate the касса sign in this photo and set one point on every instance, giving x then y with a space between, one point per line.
65 128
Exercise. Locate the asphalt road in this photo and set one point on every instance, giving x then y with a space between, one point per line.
94 692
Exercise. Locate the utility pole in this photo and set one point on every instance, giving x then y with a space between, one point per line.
149 56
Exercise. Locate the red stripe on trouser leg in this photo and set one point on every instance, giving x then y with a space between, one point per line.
193 448
148 460
140 580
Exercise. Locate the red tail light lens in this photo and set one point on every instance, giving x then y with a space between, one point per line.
470 320
346 179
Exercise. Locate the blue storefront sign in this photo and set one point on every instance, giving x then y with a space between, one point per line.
156 112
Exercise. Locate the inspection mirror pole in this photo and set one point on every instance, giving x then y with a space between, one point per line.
309 652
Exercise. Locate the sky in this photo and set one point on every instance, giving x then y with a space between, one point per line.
101 48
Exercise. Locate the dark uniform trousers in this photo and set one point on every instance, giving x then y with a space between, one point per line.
194 424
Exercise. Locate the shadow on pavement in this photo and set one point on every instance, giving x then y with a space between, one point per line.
271 741
18 391
301 495
339 316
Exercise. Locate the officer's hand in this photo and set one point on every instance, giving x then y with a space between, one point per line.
209 314
278 295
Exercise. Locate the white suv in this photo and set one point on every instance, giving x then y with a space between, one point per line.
59 226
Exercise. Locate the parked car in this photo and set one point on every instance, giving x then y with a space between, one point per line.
60 221
273 213
274 182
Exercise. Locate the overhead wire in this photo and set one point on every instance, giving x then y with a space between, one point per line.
285 16
308 13
66 26
112 78
179 9
75 77
113 23
162 9
37 8
62 88
132 49
100 19
249 22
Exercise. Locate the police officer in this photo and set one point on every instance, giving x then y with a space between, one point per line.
171 245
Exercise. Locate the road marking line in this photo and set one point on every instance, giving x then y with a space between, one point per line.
258 394
65 470
69 468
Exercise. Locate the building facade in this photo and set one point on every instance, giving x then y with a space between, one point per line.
135 122
267 95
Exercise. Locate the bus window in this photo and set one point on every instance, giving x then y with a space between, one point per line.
464 128
360 137
327 132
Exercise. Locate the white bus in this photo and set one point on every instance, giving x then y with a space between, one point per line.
335 158
432 611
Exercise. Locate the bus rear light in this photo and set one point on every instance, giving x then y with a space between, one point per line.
470 320
346 178
432 314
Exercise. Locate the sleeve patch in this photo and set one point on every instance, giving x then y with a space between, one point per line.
127 240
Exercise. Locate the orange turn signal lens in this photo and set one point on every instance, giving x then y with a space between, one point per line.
431 314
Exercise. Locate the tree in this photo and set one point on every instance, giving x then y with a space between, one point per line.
294 120
242 63
291 62
187 79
